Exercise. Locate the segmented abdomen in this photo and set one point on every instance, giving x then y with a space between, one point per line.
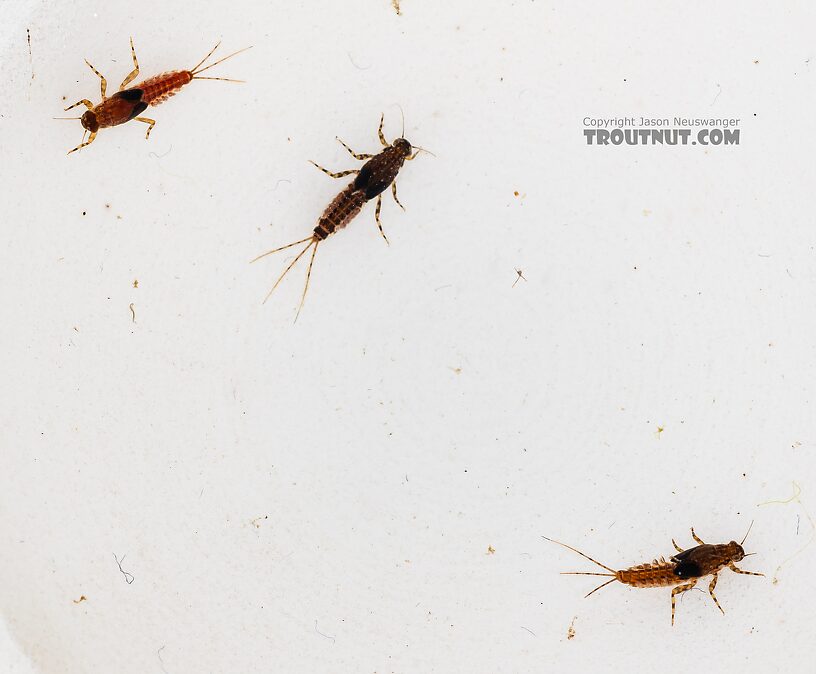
161 87
655 574
340 211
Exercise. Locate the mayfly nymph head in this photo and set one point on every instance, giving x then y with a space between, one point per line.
403 146
89 121
736 551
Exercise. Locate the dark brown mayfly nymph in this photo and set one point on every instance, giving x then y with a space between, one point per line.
372 179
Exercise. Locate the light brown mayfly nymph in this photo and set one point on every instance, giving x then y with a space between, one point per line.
682 571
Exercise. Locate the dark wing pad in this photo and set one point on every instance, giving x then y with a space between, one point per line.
688 569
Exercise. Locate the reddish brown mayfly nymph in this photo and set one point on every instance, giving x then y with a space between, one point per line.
682 571
372 179
127 104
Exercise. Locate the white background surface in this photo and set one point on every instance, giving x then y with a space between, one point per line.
320 497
